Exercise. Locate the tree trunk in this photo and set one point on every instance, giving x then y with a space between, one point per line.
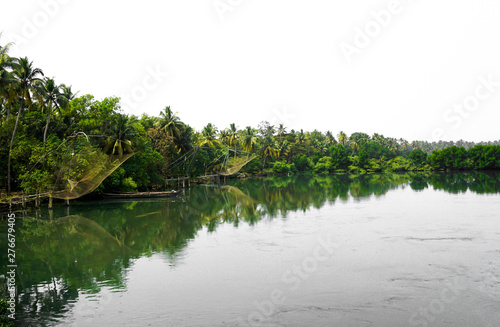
8 111
5 104
47 125
10 148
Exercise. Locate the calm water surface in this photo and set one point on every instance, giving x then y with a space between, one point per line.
343 250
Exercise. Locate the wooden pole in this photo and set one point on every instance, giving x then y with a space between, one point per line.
50 202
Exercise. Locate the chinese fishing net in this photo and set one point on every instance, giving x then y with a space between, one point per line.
84 172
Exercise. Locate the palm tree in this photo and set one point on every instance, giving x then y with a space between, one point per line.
121 133
170 123
282 147
354 144
248 139
357 140
185 140
404 144
67 92
268 150
64 109
53 96
392 144
30 85
324 147
281 130
233 136
378 138
330 139
208 136
7 94
6 78
224 136
27 83
301 136
342 137
4 50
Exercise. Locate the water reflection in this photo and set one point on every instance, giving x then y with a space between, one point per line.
59 259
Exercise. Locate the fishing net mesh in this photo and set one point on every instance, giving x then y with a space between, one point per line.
235 163
84 172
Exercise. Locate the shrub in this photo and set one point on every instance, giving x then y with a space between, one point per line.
340 159
324 166
302 163
281 167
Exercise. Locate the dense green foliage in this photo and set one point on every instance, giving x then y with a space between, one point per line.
37 116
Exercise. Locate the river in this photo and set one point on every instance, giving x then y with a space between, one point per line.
339 250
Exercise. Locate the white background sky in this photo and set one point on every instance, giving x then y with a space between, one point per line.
276 60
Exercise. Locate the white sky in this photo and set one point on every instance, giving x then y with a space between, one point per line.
277 60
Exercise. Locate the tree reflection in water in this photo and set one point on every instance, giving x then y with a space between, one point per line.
58 259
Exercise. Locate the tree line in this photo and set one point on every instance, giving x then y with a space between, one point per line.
37 115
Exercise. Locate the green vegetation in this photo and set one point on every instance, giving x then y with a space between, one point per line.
37 115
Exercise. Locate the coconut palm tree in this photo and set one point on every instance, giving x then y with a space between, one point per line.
248 139
53 97
67 92
392 144
208 136
301 136
233 136
354 144
121 134
170 123
224 136
28 80
404 144
342 137
27 83
4 53
378 138
330 139
281 131
7 95
268 150
282 147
